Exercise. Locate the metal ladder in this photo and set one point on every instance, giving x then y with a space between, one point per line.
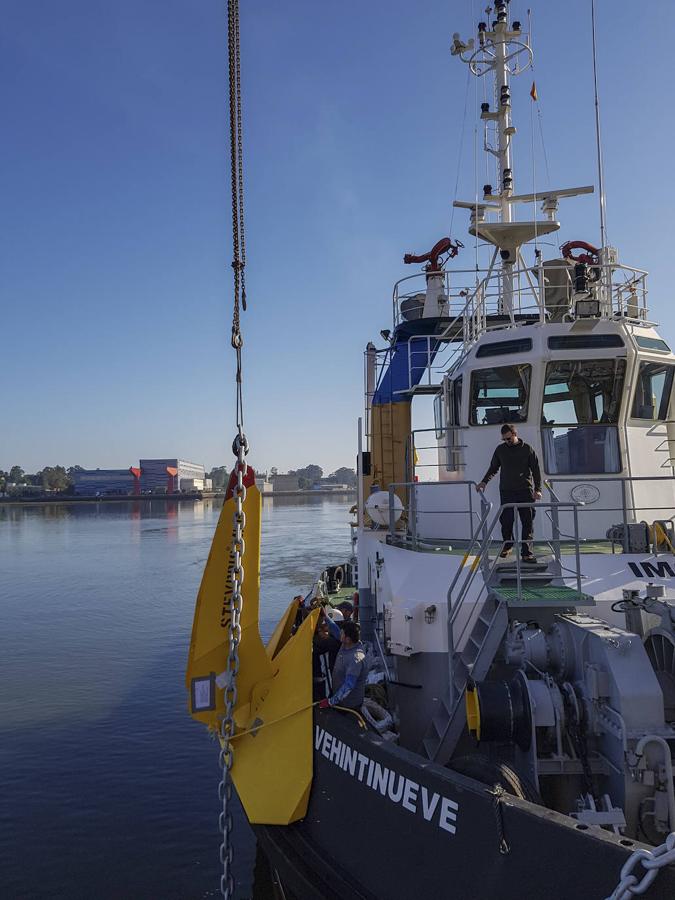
473 662
485 627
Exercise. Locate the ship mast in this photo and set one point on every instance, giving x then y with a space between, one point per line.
503 51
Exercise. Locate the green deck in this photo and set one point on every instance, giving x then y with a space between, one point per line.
459 547
546 595
345 593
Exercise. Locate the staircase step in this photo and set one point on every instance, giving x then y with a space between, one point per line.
524 567
544 578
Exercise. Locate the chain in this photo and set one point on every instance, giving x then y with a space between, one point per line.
227 726
652 860
235 578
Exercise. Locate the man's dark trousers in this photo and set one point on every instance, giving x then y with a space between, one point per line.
526 514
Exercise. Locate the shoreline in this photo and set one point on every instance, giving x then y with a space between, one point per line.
150 498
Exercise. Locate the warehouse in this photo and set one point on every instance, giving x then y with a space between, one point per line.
167 475
106 482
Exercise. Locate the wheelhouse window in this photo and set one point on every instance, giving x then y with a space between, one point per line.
652 392
454 458
456 401
583 392
502 348
581 450
582 401
439 415
650 343
500 394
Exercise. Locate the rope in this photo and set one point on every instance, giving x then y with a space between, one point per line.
461 147
257 728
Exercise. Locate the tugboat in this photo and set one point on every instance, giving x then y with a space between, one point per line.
529 705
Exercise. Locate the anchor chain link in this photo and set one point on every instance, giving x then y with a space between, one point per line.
228 680
652 862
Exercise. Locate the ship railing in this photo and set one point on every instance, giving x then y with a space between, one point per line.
667 444
424 458
403 530
429 357
487 299
632 513
629 512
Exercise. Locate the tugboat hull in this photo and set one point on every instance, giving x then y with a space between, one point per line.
385 823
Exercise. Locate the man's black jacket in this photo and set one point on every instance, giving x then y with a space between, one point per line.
519 466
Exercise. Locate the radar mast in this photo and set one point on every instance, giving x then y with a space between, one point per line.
503 51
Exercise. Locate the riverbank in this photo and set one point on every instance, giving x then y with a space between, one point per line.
320 492
119 498
173 498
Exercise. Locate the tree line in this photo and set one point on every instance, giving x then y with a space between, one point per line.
51 478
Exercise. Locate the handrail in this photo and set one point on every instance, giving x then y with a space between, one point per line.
453 609
479 293
414 484
623 480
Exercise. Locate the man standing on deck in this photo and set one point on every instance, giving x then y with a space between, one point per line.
519 482
350 670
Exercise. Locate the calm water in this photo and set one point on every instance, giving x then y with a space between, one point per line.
107 788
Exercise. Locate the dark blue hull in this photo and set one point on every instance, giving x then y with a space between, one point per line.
385 824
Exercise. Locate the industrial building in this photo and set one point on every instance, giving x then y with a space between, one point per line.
106 482
285 483
263 485
168 475
161 476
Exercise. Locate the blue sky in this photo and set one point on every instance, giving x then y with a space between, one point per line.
115 223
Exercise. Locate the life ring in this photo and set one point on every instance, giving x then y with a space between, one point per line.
338 577
591 257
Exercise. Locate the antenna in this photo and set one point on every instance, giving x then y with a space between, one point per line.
503 51
601 181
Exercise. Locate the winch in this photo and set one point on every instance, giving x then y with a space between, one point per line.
584 709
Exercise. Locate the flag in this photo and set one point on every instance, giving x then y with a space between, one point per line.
533 91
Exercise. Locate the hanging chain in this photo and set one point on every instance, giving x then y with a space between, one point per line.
227 726
235 578
652 862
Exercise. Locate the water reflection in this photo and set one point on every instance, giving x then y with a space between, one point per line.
97 602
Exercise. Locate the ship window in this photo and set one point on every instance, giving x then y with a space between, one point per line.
439 415
652 393
523 345
581 450
583 392
454 445
456 402
650 343
584 341
500 394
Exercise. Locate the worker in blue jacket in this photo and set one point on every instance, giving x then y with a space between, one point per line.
350 670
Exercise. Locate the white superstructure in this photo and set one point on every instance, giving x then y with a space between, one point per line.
565 348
